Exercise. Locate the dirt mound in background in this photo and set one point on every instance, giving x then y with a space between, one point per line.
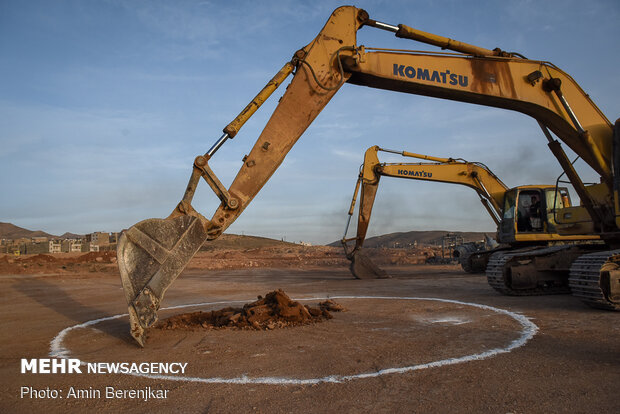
240 242
39 258
60 263
290 256
104 256
275 310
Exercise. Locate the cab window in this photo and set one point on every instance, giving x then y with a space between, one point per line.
559 199
529 212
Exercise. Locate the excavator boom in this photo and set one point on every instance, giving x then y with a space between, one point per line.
149 263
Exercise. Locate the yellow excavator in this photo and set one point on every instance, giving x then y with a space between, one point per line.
524 216
153 252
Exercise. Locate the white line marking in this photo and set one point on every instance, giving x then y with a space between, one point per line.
58 350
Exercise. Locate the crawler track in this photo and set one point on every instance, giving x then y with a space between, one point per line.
496 276
465 263
585 275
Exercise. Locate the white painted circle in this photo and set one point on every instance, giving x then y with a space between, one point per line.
58 350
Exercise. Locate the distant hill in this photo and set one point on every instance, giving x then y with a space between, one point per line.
11 231
71 236
226 241
237 242
403 239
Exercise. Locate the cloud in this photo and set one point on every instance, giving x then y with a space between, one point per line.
348 155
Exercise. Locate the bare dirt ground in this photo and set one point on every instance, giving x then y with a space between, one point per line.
361 360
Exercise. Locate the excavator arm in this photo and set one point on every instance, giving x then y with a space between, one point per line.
152 253
477 176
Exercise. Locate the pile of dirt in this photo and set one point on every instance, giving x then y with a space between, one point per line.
275 310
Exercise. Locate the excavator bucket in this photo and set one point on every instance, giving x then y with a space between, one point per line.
363 268
151 254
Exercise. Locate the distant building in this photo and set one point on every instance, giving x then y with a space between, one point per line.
114 237
93 242
34 248
55 246
98 238
75 246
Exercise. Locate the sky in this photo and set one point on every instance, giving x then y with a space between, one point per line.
104 105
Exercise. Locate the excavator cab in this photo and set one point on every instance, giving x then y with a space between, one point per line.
529 213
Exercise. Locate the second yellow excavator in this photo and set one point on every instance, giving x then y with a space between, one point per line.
524 215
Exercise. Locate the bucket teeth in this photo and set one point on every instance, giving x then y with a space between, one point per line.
137 332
